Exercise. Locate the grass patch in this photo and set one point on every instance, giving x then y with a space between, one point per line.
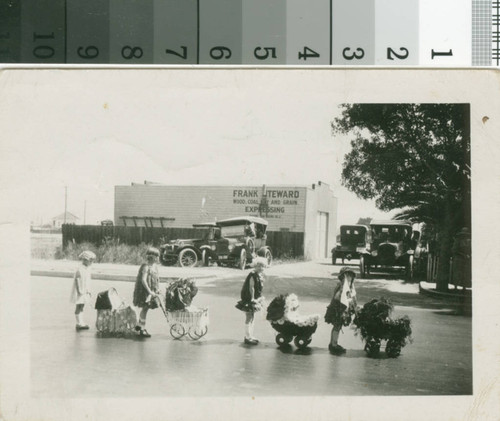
111 251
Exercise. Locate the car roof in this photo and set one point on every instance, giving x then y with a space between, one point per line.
242 220
205 224
354 225
391 222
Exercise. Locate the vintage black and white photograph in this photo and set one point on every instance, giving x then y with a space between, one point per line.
255 235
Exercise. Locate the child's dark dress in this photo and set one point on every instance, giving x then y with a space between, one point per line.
140 292
246 304
335 311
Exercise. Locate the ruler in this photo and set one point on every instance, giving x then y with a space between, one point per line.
251 32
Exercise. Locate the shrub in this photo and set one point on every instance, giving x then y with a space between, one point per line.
110 251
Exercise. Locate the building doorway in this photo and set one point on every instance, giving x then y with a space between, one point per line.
322 235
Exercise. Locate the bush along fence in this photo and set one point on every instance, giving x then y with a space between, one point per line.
283 244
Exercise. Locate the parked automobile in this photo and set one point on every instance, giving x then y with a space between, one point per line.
188 252
353 239
241 240
392 244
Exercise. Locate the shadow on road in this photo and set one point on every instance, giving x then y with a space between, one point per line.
320 289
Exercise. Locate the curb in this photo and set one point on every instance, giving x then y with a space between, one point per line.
107 277
462 302
439 294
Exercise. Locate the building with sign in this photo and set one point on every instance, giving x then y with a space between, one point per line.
311 210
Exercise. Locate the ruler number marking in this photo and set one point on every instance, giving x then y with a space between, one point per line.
182 55
129 52
441 53
354 55
308 53
403 56
220 52
89 53
268 51
43 51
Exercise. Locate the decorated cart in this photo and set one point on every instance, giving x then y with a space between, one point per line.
184 318
290 325
374 324
114 316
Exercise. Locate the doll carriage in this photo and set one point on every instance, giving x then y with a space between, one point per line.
114 316
290 325
183 318
374 324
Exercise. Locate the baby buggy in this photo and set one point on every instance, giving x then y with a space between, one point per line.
290 325
183 318
375 325
114 316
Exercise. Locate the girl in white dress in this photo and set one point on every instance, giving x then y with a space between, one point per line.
80 293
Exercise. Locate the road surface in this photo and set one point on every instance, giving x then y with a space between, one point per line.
66 363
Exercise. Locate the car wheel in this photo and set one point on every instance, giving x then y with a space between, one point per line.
242 263
334 258
269 257
188 258
250 246
362 267
204 258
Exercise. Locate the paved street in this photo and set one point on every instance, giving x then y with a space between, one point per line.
66 363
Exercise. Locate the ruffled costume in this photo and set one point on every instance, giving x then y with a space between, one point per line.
246 304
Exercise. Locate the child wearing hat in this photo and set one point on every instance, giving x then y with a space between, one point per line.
252 299
341 307
146 290
80 293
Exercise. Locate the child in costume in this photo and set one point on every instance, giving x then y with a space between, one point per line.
252 299
146 290
80 293
343 304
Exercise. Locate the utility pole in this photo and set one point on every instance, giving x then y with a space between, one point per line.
65 202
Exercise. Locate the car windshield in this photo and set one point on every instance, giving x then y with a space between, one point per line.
393 233
352 235
232 231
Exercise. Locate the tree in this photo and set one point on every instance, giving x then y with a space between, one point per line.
414 158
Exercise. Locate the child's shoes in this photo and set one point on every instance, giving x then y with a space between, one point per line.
81 327
336 350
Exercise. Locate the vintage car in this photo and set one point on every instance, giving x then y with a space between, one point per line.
241 240
188 252
392 245
353 239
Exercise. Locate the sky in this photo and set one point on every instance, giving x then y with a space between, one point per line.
89 131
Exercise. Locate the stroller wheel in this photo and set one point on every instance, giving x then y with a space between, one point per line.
177 331
372 347
197 333
392 349
301 342
282 339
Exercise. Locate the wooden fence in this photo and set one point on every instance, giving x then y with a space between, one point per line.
282 244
